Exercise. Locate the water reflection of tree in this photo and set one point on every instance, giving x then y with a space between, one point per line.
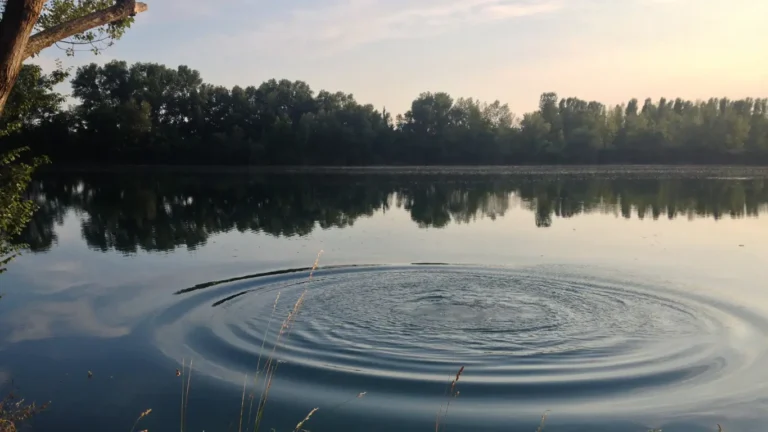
128 213
438 203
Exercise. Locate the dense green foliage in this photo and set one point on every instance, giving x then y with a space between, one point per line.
159 212
33 100
32 103
15 210
150 114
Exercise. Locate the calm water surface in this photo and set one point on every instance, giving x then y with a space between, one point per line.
618 299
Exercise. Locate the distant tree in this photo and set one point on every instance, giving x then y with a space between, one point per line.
150 114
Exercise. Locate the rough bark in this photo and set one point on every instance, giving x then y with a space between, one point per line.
46 38
19 19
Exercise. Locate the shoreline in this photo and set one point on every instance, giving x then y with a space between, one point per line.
689 169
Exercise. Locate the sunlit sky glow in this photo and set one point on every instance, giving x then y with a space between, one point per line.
386 52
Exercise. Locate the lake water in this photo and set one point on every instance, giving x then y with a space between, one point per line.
616 299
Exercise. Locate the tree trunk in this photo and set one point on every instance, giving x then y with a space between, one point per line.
18 21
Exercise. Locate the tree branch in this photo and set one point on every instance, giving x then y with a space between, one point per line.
121 10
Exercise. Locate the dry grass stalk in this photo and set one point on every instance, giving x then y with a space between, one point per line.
455 380
186 398
359 396
272 364
451 393
543 421
242 404
141 416
183 370
261 351
306 419
250 411
186 372
14 411
315 265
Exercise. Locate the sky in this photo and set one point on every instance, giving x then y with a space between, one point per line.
386 52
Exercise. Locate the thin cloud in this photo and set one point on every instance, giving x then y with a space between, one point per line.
180 10
514 11
354 23
47 320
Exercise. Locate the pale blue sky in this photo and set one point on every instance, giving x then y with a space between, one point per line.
386 52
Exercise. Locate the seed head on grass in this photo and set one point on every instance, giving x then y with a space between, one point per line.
455 380
306 419
315 265
14 411
452 393
543 421
141 416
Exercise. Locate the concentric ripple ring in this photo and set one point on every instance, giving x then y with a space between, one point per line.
546 337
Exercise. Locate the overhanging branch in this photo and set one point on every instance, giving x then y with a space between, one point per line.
121 10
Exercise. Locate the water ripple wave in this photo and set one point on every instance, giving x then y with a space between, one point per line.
543 337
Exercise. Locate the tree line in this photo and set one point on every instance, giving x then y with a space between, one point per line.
161 212
147 113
